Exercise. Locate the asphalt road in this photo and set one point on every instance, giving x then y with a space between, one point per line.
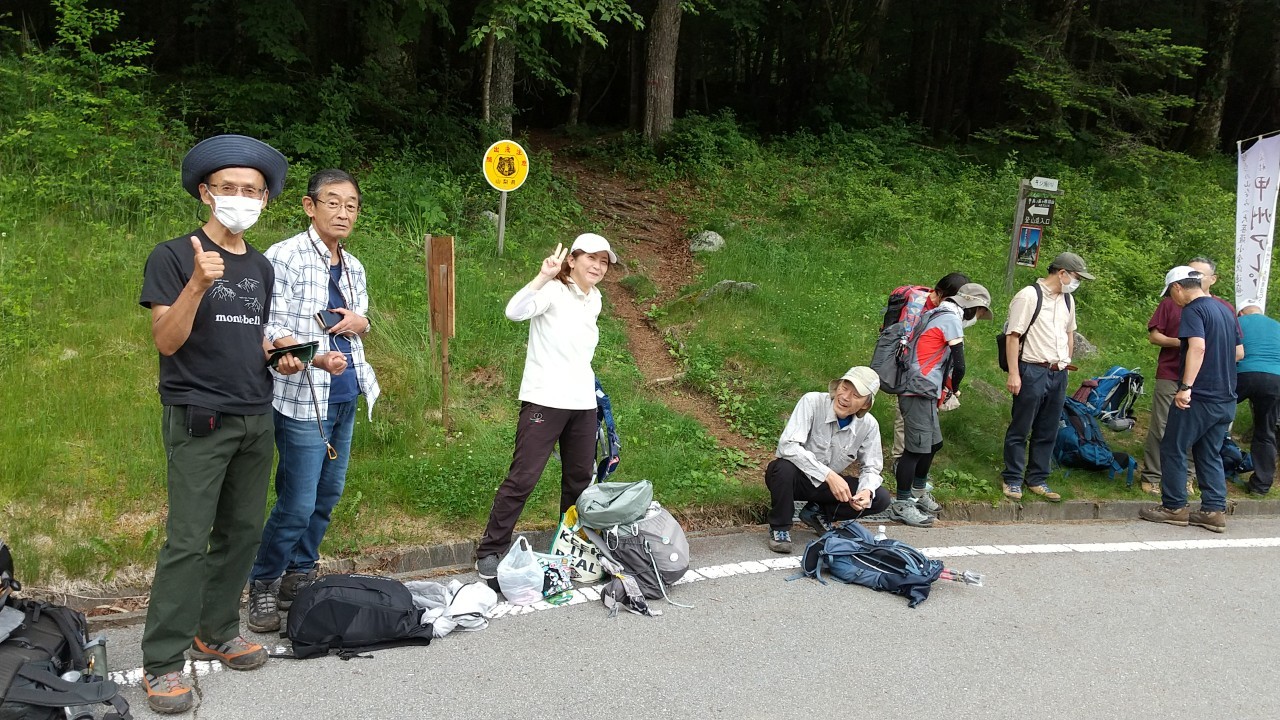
1087 631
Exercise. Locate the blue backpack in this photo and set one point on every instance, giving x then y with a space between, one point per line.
1112 399
608 446
852 555
1080 444
1235 462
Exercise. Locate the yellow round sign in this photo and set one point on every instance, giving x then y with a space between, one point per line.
506 165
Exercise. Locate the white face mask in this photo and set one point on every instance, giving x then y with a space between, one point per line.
1071 286
970 322
236 213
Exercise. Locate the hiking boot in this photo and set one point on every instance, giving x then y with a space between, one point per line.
1152 488
1162 514
169 693
264 610
811 515
487 567
780 541
1013 492
1044 492
908 513
235 654
1215 520
291 584
926 503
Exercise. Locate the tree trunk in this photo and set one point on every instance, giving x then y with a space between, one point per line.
869 53
503 103
1224 18
635 98
487 79
575 102
660 69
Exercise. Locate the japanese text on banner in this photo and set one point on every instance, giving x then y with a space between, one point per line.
1255 219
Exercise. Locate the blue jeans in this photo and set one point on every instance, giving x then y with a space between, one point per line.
308 486
1037 408
1200 428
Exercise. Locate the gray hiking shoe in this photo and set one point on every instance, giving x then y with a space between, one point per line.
908 513
291 583
169 693
926 503
264 608
780 541
487 567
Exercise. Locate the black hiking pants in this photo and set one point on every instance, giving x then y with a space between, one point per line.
787 485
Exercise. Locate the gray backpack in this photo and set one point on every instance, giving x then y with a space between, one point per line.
607 504
653 550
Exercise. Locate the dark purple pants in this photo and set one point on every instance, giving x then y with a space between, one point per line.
538 431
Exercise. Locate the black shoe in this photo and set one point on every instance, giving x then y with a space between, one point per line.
292 583
811 515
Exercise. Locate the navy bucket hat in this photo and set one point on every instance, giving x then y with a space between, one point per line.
224 151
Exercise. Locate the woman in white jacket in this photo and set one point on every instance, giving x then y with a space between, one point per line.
557 392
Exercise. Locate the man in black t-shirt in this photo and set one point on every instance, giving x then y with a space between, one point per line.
1203 408
209 294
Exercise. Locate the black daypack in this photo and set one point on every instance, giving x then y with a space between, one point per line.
350 613
48 644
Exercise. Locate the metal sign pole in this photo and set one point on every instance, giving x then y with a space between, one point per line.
502 220
1023 185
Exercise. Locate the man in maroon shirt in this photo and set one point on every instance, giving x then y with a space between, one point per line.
1162 331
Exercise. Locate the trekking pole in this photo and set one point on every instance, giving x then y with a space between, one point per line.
968 577
315 404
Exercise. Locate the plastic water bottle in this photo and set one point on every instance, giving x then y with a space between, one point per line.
880 534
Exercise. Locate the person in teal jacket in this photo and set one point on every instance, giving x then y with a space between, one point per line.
1258 381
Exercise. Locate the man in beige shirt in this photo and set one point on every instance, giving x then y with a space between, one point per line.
1040 335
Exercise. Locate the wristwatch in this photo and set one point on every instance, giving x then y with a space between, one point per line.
1183 386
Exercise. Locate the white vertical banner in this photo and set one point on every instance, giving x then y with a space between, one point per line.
1258 178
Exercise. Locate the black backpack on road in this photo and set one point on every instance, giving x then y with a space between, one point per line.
350 613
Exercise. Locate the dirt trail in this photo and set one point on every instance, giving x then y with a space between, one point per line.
651 240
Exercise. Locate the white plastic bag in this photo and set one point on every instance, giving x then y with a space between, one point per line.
520 575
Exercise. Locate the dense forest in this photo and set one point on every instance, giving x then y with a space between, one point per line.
336 81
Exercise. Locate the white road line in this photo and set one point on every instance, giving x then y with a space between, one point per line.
791 562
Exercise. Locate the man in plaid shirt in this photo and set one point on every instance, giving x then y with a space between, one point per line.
320 294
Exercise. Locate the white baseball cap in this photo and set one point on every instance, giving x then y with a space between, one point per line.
593 243
1180 273
865 382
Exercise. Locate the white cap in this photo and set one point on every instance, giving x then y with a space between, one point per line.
1180 273
593 243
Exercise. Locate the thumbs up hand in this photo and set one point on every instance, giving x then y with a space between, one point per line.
207 268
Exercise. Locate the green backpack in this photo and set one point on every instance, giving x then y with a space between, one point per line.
605 505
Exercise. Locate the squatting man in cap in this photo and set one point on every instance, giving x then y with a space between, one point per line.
1039 346
827 433
209 293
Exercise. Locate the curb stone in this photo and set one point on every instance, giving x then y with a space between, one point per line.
424 561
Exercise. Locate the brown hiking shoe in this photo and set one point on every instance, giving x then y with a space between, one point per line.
1013 492
1044 492
1215 520
169 693
1151 487
1162 514
235 654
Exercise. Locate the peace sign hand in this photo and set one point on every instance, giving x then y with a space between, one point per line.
552 264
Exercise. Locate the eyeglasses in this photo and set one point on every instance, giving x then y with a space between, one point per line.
248 191
333 205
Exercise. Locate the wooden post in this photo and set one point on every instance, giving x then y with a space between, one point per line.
426 276
502 220
1023 185
441 290
444 352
